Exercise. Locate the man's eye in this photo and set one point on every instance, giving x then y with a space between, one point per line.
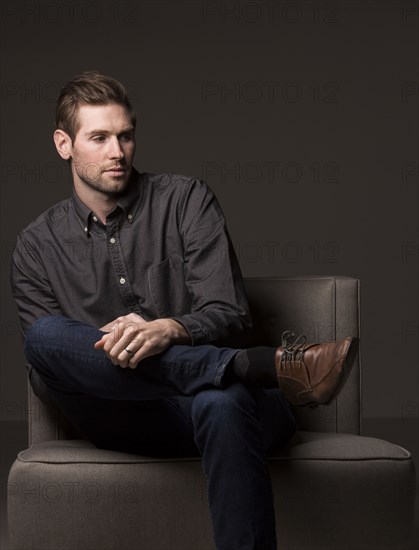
126 137
99 138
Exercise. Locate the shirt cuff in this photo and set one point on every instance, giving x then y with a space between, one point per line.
197 333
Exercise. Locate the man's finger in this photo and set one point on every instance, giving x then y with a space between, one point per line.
112 340
116 349
100 343
125 356
144 352
104 338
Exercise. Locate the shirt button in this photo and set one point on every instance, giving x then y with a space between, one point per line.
122 280
112 240
130 216
94 217
85 229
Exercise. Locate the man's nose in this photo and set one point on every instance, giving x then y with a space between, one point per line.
115 149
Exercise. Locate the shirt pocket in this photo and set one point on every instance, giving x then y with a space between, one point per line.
167 287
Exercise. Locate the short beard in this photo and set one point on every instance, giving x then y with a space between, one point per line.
105 188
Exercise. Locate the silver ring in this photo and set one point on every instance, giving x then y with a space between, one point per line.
130 352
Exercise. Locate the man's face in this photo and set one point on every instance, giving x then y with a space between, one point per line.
103 148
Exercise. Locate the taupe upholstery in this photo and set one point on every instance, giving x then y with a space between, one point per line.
334 489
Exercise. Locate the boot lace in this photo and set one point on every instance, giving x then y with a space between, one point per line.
293 347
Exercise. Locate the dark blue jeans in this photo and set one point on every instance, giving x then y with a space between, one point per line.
178 403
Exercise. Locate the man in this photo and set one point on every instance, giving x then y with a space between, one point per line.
128 294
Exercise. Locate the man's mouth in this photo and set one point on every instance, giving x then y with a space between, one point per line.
116 170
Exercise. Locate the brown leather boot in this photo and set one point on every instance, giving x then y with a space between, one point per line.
311 374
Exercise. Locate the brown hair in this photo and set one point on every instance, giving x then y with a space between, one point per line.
91 88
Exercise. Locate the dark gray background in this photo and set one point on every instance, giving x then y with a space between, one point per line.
302 117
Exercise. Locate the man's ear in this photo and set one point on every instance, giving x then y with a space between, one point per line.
63 143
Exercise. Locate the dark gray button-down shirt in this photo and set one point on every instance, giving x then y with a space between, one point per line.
164 252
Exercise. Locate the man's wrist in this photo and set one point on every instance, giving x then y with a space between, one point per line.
178 333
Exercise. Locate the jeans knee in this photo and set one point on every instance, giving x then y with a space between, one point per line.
43 329
49 332
55 344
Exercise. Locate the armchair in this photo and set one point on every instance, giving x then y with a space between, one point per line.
334 489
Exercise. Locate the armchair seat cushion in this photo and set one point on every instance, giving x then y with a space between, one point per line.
68 492
302 446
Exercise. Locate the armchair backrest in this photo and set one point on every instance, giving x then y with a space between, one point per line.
322 308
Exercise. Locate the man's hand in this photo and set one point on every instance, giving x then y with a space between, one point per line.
143 338
130 318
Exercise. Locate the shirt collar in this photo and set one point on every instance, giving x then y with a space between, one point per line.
129 202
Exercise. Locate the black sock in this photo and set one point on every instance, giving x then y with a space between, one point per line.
256 367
